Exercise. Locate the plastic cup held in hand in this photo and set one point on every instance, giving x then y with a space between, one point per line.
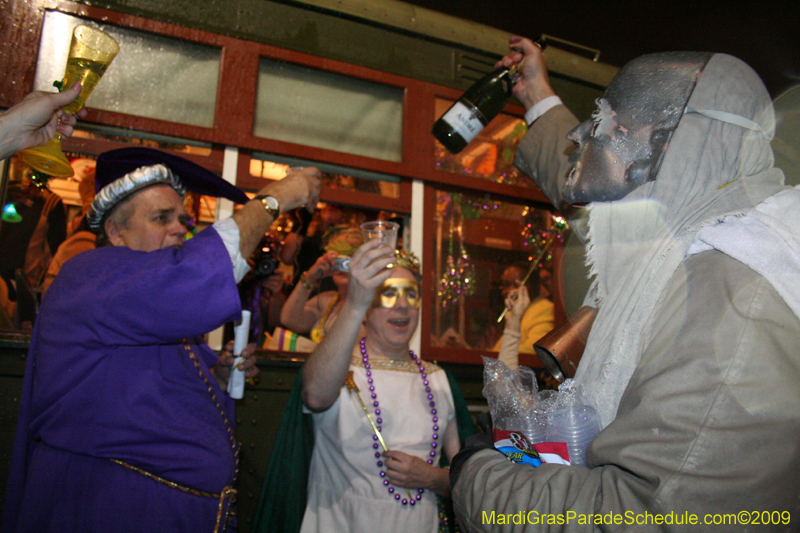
385 231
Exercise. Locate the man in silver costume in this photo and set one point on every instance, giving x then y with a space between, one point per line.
691 362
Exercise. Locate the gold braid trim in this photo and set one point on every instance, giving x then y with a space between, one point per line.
378 363
228 492
234 445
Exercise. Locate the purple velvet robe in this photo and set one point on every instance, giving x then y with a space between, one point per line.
108 377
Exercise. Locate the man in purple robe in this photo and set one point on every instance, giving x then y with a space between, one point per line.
122 425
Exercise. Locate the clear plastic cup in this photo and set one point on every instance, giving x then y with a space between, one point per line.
535 432
535 426
576 426
383 230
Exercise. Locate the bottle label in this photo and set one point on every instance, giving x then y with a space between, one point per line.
464 121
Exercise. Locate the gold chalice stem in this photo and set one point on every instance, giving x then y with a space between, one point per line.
352 387
90 52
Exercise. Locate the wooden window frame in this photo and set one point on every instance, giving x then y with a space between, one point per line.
234 116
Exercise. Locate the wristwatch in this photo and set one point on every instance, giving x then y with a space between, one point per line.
270 203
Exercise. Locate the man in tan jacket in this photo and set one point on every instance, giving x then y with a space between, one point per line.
692 360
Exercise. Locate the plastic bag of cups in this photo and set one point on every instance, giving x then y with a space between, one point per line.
532 426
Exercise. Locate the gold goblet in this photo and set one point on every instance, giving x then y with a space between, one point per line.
90 53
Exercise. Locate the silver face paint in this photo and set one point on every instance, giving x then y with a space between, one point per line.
622 146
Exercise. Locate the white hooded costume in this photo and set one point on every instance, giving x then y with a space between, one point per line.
693 359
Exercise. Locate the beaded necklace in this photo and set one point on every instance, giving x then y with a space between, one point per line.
411 500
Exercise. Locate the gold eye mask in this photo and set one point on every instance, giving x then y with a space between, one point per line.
393 288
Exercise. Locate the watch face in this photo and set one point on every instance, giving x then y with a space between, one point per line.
271 203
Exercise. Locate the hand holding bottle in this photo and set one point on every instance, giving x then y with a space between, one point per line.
467 117
533 84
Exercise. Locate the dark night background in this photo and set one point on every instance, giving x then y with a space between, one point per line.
764 33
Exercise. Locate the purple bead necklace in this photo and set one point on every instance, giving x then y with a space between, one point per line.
379 421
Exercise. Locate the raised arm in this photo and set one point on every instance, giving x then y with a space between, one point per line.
326 369
36 119
509 344
300 312
543 154
298 189
534 83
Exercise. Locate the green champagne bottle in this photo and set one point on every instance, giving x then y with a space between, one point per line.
475 109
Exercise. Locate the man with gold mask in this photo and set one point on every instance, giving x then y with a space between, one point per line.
366 394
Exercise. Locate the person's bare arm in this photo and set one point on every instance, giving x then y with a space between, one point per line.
512 333
36 119
298 189
299 314
326 368
300 311
411 472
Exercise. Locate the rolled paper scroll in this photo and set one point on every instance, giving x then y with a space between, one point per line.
241 333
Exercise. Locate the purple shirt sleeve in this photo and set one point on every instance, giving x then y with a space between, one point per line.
124 297
109 376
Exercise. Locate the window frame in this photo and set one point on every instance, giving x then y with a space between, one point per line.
233 126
